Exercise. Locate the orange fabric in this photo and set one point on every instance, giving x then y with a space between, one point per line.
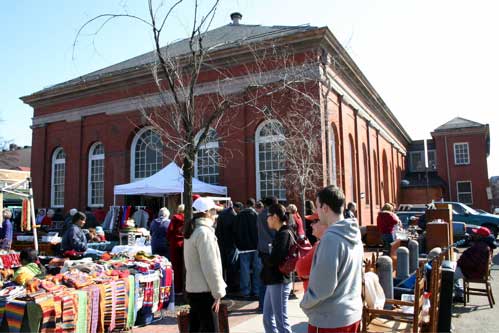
304 265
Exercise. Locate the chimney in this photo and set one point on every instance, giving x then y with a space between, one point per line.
236 17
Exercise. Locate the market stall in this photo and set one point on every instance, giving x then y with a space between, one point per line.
169 180
113 293
28 219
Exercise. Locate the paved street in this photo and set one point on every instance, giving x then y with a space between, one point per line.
477 316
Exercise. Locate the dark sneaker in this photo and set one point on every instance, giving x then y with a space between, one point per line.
458 299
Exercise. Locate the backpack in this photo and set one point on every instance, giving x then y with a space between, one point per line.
297 249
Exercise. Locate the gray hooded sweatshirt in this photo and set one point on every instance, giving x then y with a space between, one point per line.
333 298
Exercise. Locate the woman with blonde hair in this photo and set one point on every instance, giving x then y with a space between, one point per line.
204 282
386 221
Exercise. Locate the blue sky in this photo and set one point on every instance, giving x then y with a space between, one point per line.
430 60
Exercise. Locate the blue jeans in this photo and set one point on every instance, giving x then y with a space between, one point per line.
387 241
458 282
275 308
248 261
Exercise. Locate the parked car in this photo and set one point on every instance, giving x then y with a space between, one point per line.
468 215
496 211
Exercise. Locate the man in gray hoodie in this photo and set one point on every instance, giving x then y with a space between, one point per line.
333 300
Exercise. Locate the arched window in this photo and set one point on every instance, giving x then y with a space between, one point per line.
207 159
332 144
96 175
270 162
58 176
147 154
376 177
367 187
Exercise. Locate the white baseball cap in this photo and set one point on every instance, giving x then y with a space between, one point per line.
73 211
202 205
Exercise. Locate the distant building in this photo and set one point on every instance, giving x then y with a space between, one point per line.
457 165
15 164
494 187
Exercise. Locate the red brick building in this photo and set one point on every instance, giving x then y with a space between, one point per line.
457 161
88 134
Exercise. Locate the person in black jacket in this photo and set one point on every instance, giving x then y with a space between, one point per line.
246 240
228 251
275 305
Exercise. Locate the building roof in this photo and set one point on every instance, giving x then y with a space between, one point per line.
457 123
226 36
418 179
18 159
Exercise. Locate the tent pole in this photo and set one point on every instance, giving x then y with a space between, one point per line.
33 216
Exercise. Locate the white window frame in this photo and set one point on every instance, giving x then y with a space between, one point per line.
332 149
135 140
467 150
93 157
52 185
471 191
207 145
258 140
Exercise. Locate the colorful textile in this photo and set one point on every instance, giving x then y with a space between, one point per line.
48 313
120 309
81 322
69 314
33 317
93 307
131 302
26 273
14 313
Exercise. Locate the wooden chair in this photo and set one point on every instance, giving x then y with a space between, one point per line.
370 317
479 291
435 284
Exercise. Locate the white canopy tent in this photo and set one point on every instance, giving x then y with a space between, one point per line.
168 180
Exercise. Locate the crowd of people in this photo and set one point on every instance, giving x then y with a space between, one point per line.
240 249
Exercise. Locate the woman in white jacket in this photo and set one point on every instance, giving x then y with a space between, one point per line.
204 281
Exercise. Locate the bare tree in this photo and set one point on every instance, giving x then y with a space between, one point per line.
186 114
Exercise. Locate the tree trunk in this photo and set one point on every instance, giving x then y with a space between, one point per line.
303 208
188 174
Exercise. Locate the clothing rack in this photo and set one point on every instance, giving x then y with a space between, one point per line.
12 189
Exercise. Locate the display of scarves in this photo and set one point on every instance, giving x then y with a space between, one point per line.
14 313
3 303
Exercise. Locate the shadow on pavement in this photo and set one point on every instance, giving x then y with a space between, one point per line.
495 260
300 327
468 308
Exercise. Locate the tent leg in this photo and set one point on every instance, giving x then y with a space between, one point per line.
33 217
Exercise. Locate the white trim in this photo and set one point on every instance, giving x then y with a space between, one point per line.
258 140
467 151
471 191
421 153
332 156
54 162
207 145
92 157
225 87
133 150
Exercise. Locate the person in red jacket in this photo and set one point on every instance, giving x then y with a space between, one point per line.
386 221
293 212
474 262
175 236
304 264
